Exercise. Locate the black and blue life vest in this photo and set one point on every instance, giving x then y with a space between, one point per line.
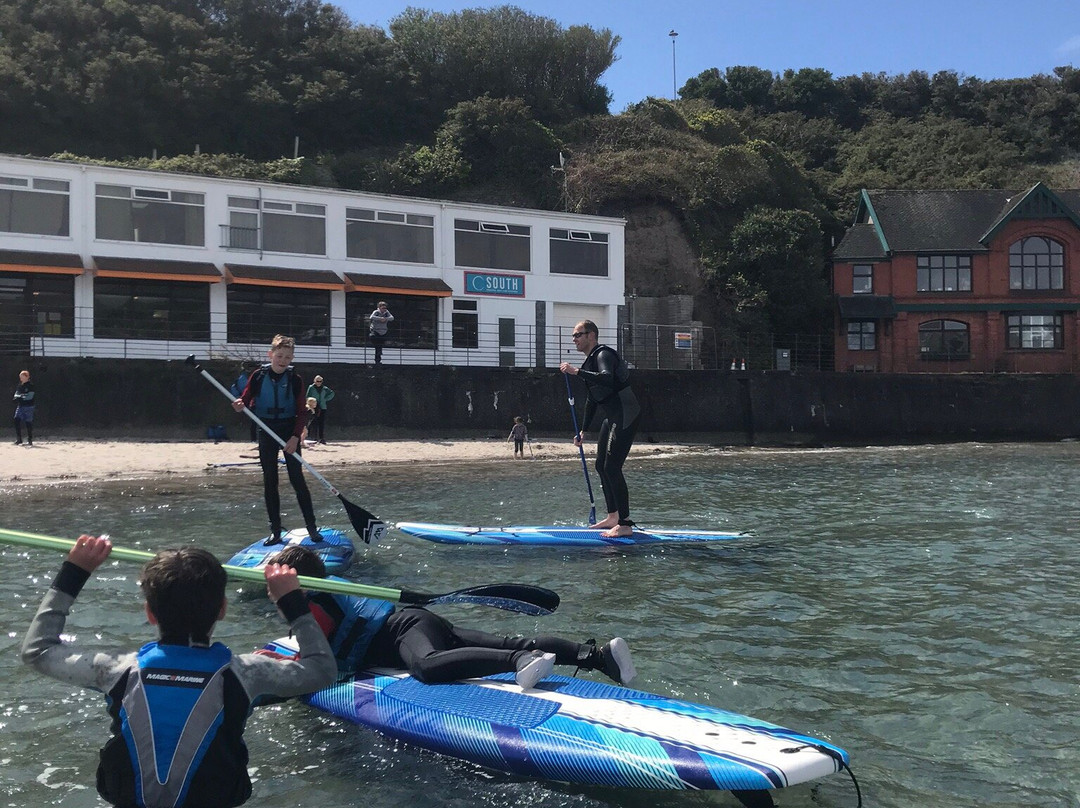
356 621
274 400
178 720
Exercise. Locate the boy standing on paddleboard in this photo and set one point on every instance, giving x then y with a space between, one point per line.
275 393
178 705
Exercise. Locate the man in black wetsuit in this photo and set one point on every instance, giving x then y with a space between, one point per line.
607 378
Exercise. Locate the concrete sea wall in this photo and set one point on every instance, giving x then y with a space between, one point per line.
146 399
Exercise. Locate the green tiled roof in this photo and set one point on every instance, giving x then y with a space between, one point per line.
938 221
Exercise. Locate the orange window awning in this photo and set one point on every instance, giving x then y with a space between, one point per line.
152 269
396 285
286 277
40 263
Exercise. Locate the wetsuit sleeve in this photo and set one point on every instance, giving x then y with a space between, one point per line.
45 652
300 406
313 670
248 396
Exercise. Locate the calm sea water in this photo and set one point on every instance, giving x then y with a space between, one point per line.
917 606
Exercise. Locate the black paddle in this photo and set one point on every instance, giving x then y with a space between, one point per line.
581 450
366 524
523 598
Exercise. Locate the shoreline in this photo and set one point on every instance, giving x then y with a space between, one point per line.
98 460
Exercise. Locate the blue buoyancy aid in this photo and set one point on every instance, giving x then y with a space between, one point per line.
173 706
356 621
274 400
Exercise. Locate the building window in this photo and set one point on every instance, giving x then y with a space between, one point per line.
1035 331
257 313
579 252
862 335
294 228
943 273
152 216
416 320
947 340
148 309
491 245
1036 263
242 231
465 325
387 236
34 305
862 279
37 206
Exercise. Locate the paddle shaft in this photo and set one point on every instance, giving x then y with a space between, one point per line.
581 449
511 597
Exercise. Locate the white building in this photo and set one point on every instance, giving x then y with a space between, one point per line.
116 262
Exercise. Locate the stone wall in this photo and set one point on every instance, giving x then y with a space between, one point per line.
132 398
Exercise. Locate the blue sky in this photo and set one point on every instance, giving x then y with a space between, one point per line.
988 39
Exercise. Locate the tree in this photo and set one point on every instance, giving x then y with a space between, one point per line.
774 264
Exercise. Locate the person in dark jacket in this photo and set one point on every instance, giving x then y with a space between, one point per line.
367 632
607 378
24 409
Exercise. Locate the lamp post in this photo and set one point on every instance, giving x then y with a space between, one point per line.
674 81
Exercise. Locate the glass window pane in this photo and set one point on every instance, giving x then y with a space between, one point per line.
30 212
579 258
294 234
148 309
256 313
390 242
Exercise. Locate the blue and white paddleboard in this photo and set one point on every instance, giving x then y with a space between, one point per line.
335 549
566 536
579 731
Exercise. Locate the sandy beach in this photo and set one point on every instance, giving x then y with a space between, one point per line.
82 461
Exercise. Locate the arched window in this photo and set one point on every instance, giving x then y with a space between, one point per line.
1036 263
944 340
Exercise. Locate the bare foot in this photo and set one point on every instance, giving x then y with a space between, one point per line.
604 524
618 531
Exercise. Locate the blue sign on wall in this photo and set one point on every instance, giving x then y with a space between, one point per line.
493 283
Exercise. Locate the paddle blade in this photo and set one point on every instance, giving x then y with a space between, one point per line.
368 526
521 598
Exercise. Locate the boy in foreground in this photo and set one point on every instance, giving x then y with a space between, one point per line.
178 705
275 393
367 632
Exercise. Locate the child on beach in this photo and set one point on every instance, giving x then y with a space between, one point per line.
310 414
24 409
275 393
323 395
365 632
519 434
180 702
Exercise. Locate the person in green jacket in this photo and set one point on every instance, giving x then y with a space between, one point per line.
323 395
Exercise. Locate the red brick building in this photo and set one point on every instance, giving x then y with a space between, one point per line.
960 281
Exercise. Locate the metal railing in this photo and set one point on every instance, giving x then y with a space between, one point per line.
160 336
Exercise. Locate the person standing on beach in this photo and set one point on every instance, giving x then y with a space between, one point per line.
380 320
24 409
275 393
323 395
607 379
519 433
